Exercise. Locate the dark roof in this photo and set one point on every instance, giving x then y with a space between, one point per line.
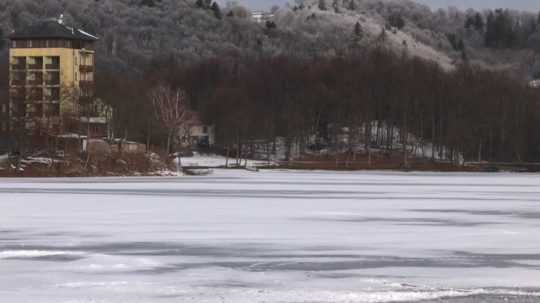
52 29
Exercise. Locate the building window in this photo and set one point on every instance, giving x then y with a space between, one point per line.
54 43
87 59
55 109
19 44
52 62
35 62
18 63
52 78
52 93
18 78
38 43
38 110
87 76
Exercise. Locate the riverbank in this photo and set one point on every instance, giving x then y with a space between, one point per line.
154 165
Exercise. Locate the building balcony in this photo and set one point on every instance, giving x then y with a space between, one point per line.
36 66
36 82
52 66
52 97
18 66
86 68
18 82
52 82
18 94
36 97
86 99
86 84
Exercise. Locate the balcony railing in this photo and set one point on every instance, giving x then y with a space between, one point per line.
18 82
35 82
35 66
18 66
54 97
18 94
86 68
52 82
86 99
86 83
35 97
52 66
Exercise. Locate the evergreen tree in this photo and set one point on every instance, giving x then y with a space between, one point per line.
469 22
358 32
217 11
322 5
352 5
461 45
150 3
335 6
478 22
271 25
490 35
2 39
396 20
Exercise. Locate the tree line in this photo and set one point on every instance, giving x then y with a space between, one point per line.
503 29
470 112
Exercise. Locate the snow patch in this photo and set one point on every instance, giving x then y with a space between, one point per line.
8 254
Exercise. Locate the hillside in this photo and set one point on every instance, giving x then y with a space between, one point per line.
135 32
373 31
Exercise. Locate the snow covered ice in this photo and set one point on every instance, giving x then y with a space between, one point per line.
273 236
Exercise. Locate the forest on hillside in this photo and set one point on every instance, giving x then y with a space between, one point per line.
319 66
134 32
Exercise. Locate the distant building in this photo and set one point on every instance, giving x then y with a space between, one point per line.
197 134
534 83
261 17
51 79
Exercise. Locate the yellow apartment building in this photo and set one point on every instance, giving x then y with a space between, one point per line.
51 76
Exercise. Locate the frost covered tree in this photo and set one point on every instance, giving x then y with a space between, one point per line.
171 107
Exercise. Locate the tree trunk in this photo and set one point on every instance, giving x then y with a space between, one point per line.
148 136
367 141
405 137
480 152
169 139
227 157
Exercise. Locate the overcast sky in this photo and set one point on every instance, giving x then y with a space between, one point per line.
531 5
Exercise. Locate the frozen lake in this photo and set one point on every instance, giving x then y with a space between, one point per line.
273 236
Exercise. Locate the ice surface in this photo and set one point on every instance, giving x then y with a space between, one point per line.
273 236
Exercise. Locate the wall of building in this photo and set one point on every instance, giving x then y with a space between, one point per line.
68 58
69 71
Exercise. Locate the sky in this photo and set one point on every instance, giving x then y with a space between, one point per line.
530 5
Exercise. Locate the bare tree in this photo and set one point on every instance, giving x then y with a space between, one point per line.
171 109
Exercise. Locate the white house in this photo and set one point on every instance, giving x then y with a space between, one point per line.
534 83
261 17
196 134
